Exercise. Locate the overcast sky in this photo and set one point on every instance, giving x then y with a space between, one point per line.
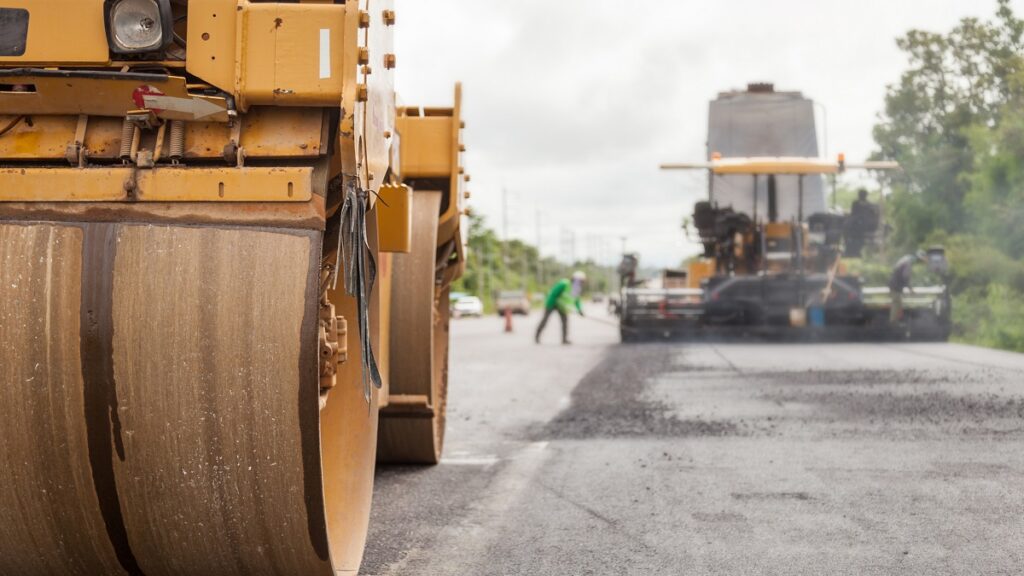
571 105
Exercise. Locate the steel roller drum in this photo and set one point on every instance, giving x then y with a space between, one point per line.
415 435
160 405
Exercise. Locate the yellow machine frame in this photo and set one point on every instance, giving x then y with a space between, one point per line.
431 170
251 142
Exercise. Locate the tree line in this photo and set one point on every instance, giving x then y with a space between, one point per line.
494 265
955 123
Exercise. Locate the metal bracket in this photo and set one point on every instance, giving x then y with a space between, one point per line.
333 340
144 119
234 154
76 153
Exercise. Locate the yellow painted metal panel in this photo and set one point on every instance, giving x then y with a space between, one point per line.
62 32
698 270
212 34
62 184
425 146
778 230
157 185
431 147
780 165
47 138
103 137
384 286
394 218
226 185
774 166
266 133
282 132
292 54
450 219
71 93
762 165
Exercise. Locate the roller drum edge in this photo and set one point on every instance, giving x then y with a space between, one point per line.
412 425
160 405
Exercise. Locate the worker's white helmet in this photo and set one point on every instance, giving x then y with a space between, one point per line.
579 275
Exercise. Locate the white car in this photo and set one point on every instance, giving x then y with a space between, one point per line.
468 306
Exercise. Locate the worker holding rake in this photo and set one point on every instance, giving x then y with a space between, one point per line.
562 297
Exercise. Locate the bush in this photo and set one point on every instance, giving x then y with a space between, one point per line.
990 316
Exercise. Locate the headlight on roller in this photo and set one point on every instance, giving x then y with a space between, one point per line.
135 26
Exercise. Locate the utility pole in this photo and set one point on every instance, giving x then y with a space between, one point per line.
504 236
540 255
524 266
569 246
610 276
483 271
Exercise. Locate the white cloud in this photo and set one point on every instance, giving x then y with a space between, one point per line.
572 104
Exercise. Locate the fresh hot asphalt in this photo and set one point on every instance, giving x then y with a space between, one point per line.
601 458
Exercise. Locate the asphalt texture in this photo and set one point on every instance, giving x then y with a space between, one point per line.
659 458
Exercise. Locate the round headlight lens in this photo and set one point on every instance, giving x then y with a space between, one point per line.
136 25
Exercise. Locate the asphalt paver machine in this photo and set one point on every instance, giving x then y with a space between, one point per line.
775 259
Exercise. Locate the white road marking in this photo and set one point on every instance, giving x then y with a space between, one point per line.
470 461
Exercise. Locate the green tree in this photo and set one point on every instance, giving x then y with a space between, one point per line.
493 265
995 200
955 123
956 82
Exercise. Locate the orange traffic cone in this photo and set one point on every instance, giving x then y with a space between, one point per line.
508 320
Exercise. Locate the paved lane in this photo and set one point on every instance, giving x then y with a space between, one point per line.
714 459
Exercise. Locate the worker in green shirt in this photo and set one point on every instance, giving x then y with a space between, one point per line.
564 295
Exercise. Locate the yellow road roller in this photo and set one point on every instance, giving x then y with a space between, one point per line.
213 272
413 407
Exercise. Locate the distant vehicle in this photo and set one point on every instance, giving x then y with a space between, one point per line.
597 297
468 306
514 300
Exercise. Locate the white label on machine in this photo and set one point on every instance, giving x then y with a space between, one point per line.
325 53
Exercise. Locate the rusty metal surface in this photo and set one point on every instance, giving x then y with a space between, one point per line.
55 511
348 431
46 138
419 351
267 133
305 215
160 405
215 397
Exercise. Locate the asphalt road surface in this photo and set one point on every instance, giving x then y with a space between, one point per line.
600 458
